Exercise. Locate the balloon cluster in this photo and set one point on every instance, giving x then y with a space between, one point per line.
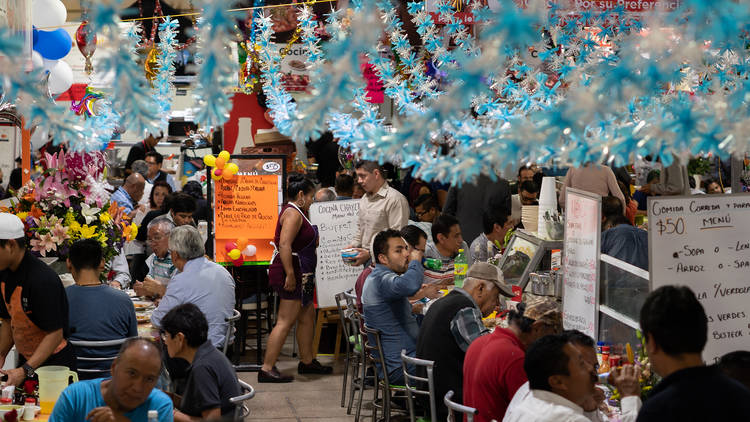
51 45
87 105
223 169
239 249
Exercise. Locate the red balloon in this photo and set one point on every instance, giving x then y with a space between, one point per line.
238 262
86 42
230 245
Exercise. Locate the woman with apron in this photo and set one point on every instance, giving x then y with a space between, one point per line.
291 275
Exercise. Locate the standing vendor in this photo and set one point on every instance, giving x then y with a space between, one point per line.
34 308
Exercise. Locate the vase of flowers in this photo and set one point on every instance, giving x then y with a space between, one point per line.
70 201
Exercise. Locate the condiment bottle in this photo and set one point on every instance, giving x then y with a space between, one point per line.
604 367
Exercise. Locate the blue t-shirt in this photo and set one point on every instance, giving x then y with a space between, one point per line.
98 313
80 398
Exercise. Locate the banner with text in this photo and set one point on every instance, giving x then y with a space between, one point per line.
338 222
703 242
581 261
247 207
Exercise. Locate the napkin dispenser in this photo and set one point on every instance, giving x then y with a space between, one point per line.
546 284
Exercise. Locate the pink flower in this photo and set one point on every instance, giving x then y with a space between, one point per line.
59 233
44 244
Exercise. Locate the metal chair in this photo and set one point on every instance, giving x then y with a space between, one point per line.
357 353
241 411
85 373
231 321
344 318
375 353
470 412
411 387
359 380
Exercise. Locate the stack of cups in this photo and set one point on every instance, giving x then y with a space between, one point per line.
547 203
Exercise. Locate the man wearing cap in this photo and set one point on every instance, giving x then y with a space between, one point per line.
493 367
453 322
34 309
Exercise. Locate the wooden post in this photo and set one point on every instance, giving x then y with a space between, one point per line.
25 152
327 316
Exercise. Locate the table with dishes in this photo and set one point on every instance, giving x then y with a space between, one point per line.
144 307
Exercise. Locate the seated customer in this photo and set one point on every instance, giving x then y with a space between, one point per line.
560 379
495 225
128 395
385 299
675 327
426 210
211 379
493 367
178 207
160 265
736 365
453 322
446 233
201 282
623 241
97 312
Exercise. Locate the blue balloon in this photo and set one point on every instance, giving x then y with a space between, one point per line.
35 34
52 45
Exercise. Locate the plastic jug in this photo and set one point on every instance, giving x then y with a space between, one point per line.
52 381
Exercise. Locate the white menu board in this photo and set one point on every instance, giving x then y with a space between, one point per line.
337 223
703 242
581 261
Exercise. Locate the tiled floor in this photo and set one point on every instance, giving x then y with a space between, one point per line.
309 398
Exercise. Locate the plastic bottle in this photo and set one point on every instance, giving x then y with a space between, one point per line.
460 266
605 360
153 416
432 264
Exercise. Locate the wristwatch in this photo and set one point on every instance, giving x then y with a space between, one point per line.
28 370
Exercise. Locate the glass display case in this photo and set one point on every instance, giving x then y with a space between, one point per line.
527 254
623 289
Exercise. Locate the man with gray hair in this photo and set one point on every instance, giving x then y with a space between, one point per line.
325 195
200 282
453 322
161 269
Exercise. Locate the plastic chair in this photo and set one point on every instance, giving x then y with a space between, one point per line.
411 387
81 358
375 353
231 321
241 411
470 412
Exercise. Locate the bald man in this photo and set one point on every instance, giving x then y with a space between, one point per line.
128 195
325 195
130 393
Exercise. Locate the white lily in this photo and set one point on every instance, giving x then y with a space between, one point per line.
89 212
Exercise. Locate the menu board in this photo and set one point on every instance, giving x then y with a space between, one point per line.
247 207
338 222
581 261
703 242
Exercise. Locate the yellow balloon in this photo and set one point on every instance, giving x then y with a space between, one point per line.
214 176
235 254
220 162
232 168
209 160
225 155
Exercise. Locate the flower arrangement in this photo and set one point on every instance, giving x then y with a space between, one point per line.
648 379
70 201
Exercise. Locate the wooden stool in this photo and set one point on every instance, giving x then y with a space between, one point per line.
327 316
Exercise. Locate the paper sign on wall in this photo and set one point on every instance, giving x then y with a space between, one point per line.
703 242
338 222
581 261
247 207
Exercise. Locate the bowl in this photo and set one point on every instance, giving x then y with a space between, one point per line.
8 407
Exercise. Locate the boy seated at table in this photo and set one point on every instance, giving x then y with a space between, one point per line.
96 311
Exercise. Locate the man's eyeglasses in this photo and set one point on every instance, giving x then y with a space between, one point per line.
155 239
421 213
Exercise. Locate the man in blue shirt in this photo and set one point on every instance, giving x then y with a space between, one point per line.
398 274
129 394
623 241
201 282
128 195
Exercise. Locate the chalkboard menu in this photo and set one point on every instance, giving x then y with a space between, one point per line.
338 222
703 242
581 261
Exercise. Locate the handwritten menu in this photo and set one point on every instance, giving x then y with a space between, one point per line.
703 242
337 223
581 261
247 207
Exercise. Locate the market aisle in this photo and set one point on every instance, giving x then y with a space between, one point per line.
308 398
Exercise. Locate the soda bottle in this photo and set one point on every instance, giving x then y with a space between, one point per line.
153 416
460 266
432 263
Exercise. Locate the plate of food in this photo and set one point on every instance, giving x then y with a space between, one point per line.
142 318
142 305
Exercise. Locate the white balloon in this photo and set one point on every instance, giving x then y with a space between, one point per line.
48 14
60 78
249 250
39 138
37 60
47 64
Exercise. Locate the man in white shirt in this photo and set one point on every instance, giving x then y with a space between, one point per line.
625 379
381 208
560 381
